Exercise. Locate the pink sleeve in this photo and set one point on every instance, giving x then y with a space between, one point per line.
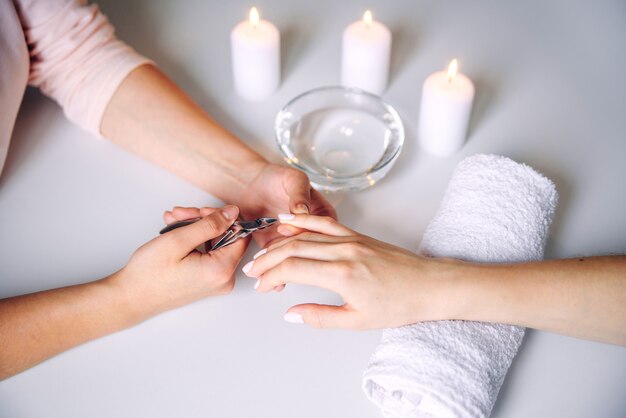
75 57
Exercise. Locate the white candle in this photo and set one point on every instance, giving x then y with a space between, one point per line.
365 56
447 98
255 45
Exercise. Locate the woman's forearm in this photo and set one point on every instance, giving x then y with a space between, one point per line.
40 325
581 297
151 117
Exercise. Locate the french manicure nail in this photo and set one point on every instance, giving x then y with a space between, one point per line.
260 253
286 216
230 212
294 318
246 269
257 284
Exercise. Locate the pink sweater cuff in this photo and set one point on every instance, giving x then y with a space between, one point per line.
75 57
87 107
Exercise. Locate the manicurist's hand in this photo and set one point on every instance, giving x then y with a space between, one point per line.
168 272
276 189
181 137
163 274
382 285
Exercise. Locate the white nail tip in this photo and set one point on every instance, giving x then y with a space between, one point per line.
260 253
294 318
247 267
286 216
257 284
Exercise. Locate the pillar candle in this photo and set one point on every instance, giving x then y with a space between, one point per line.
255 45
447 98
365 55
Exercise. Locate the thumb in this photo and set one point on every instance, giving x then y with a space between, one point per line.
322 316
298 189
189 237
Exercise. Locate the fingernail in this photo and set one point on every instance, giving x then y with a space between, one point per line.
294 318
257 284
230 212
260 253
246 269
286 216
302 208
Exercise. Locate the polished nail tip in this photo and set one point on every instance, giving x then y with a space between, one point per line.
294 318
286 216
246 269
257 284
260 253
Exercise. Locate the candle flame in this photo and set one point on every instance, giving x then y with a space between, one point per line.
368 18
452 69
254 17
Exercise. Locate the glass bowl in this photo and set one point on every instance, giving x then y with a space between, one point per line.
342 138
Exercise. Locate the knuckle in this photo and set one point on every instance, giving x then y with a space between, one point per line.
344 270
294 246
281 270
352 249
367 251
288 264
211 225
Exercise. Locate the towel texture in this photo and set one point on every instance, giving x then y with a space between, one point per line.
494 210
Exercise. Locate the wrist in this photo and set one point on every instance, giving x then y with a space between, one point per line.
249 172
450 299
485 293
446 289
130 307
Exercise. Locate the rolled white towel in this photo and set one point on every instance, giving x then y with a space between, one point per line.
494 210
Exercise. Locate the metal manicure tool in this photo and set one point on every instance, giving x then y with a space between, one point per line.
238 230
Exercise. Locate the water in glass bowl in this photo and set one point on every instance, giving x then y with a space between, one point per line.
340 142
342 138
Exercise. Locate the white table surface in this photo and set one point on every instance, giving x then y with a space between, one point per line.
551 92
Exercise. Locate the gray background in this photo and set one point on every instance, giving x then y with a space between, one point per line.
550 92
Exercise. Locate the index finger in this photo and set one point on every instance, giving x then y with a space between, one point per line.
179 213
323 274
322 224
186 238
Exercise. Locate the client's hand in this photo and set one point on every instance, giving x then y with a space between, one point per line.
382 285
167 272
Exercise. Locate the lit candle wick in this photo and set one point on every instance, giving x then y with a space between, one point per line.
254 17
367 19
452 69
